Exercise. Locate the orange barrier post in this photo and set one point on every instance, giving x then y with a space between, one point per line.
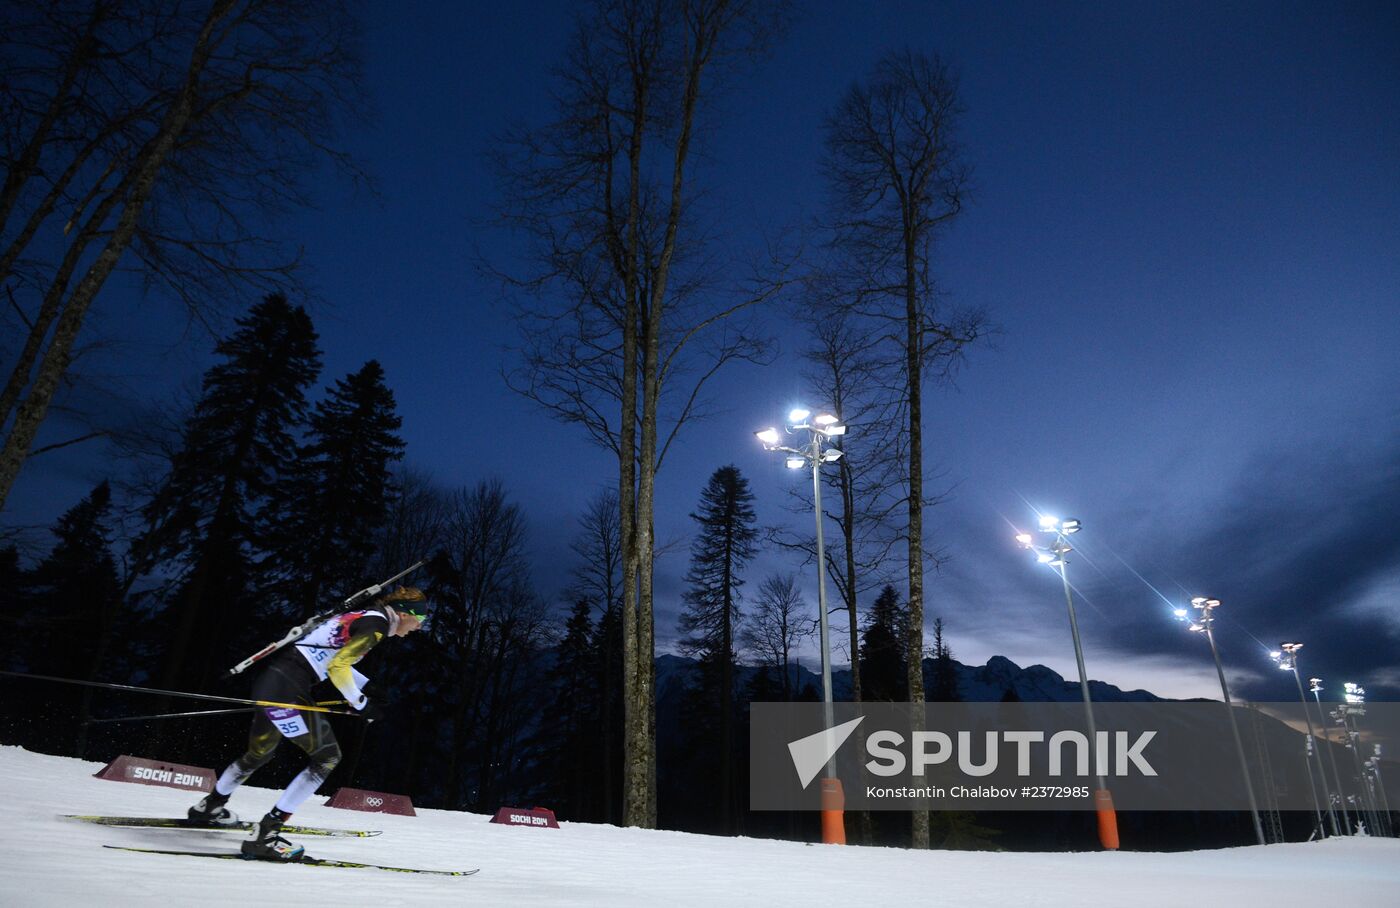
833 812
1108 819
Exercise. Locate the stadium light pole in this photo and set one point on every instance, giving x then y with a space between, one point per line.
1375 765
1315 685
815 450
1346 713
1288 659
1056 555
1204 624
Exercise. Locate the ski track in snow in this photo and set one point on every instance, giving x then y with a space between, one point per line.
48 861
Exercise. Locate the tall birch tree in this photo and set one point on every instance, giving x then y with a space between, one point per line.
898 177
627 312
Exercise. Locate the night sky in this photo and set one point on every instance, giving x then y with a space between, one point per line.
1186 224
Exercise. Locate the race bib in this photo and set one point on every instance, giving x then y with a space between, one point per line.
287 721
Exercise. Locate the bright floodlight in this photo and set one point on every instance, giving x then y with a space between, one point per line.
1314 684
1024 538
1198 601
1070 526
796 462
1274 654
825 419
768 436
1196 626
798 415
1048 523
833 431
831 455
1045 558
1179 612
1354 693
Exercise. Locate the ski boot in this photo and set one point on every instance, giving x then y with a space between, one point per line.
211 811
266 844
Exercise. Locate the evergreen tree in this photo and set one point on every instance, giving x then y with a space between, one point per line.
339 493
959 830
607 668
207 524
568 732
945 673
884 672
724 545
74 595
13 583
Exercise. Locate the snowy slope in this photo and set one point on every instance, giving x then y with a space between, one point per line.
48 861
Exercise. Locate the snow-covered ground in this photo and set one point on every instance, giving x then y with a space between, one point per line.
45 860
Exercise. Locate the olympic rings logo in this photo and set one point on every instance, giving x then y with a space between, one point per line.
374 802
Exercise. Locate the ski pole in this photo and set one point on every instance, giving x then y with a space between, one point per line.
203 712
176 693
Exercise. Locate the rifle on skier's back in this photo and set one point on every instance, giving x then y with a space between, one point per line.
305 627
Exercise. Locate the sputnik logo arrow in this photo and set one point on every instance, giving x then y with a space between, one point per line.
811 753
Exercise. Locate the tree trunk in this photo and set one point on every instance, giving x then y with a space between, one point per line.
848 535
914 648
635 745
645 678
726 693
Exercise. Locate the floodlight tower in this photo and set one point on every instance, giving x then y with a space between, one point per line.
1315 685
1287 659
1055 555
1345 714
1374 764
1205 623
813 451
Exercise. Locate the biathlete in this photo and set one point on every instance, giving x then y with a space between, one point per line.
328 651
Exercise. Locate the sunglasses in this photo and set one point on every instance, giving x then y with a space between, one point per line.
420 613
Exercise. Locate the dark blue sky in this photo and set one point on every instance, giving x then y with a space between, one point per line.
1186 222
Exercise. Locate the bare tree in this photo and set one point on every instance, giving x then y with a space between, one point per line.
415 528
598 579
598 545
777 624
629 312
898 178
157 135
482 587
845 372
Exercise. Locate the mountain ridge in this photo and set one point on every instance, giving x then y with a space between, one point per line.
976 683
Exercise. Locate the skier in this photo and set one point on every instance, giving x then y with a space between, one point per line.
327 651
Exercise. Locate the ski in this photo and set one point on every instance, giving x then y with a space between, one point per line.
176 823
305 860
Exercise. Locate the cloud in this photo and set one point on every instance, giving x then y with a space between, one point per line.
1299 543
